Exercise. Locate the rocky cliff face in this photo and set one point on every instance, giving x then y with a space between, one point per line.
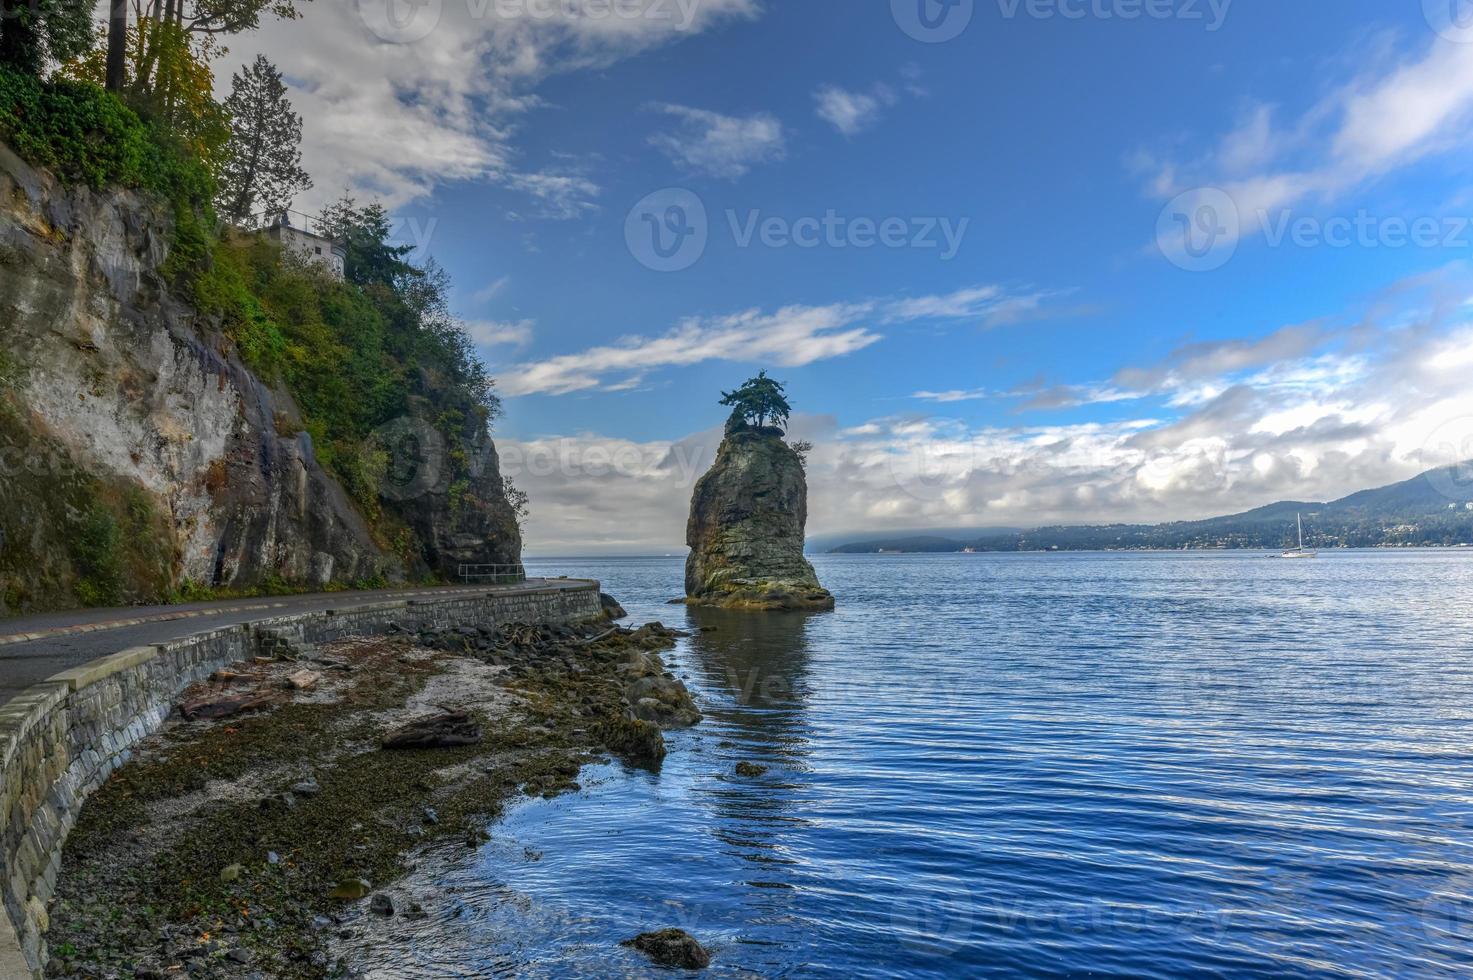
136 449
746 529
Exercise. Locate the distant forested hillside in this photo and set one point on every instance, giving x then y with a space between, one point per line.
1434 509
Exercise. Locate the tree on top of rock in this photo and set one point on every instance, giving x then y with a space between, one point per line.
757 404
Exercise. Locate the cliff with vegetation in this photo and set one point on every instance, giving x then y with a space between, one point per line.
746 528
184 409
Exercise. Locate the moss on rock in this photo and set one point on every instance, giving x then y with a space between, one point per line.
746 529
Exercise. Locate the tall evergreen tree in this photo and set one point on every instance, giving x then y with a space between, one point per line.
263 158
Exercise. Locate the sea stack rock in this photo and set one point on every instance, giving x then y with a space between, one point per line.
747 514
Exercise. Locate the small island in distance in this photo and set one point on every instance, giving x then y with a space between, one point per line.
1431 510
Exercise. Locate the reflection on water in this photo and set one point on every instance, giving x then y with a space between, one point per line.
1139 765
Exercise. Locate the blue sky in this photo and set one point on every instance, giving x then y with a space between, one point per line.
1032 343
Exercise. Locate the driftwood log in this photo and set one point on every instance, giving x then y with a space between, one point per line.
442 731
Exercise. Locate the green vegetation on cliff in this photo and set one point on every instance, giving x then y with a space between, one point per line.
86 136
355 355
353 363
64 531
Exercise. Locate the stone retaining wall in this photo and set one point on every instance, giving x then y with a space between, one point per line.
61 738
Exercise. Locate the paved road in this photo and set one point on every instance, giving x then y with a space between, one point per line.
33 648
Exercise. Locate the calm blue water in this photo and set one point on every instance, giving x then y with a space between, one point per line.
1142 765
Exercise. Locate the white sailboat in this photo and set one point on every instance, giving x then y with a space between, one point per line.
1300 552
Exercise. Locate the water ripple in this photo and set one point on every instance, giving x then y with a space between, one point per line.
1122 765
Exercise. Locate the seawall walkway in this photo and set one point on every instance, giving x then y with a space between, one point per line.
79 690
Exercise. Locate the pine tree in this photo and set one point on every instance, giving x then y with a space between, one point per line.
263 158
757 404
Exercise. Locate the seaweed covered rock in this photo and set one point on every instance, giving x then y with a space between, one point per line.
655 695
746 529
611 607
638 742
671 947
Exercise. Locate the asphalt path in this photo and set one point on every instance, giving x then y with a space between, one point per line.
32 648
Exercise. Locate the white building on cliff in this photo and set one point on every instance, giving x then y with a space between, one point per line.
302 234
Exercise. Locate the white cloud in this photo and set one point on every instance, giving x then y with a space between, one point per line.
396 120
719 145
1212 359
595 493
969 302
1047 397
1385 119
852 112
1306 424
493 333
954 396
490 291
558 196
791 337
990 306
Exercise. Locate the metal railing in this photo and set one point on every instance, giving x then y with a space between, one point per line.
492 574
310 223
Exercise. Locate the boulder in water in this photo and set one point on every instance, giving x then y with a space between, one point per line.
671 947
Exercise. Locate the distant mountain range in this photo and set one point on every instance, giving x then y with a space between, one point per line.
821 543
1434 509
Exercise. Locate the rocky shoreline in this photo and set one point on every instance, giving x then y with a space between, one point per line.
258 836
